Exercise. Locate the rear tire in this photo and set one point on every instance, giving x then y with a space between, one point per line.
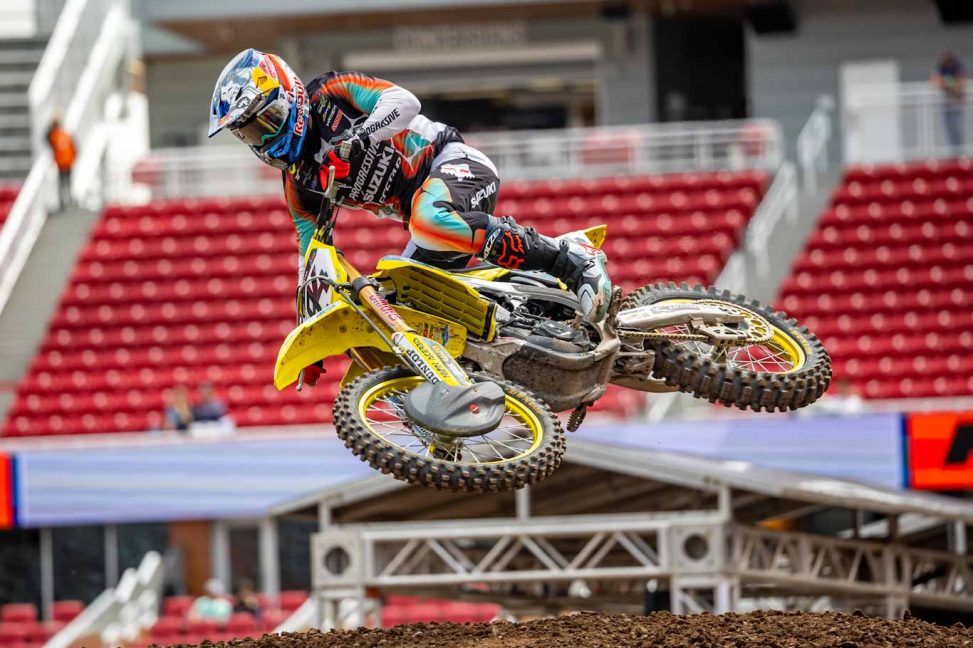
704 377
369 444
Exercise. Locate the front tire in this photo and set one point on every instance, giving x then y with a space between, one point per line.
792 371
524 449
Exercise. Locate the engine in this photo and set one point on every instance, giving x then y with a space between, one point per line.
541 346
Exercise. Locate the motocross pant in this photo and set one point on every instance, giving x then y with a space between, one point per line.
451 222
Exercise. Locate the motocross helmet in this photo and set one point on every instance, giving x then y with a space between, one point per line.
261 101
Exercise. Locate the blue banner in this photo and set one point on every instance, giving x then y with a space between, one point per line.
185 481
867 448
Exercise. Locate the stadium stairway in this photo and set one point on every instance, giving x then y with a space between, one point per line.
18 62
787 242
36 294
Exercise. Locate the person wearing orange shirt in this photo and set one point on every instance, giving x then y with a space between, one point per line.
64 151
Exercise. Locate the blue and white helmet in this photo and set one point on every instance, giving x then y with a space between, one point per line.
261 101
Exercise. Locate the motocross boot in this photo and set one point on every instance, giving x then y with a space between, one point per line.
571 258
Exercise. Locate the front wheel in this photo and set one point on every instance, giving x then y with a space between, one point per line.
764 361
370 417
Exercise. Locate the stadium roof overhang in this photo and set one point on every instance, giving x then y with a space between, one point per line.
219 27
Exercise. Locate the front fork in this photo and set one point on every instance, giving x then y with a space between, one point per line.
426 357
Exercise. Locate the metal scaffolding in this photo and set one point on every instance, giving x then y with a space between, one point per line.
697 528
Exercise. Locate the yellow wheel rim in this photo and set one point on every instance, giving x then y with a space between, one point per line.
781 354
381 410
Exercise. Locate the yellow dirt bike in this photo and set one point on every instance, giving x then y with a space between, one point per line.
456 375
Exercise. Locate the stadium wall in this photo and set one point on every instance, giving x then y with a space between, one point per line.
620 66
789 71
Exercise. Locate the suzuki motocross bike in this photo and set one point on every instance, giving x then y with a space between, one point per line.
456 375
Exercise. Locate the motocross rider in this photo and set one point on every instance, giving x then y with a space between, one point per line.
392 161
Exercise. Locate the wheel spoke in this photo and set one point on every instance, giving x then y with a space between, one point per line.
387 418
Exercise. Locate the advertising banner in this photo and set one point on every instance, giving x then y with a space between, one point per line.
940 450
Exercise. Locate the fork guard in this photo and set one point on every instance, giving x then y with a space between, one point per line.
338 328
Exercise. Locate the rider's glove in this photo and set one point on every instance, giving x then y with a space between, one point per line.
313 372
341 168
351 146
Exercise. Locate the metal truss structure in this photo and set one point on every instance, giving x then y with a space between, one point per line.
710 563
695 532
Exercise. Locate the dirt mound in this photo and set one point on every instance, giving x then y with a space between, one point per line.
763 629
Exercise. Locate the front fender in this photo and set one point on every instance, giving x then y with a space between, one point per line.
338 328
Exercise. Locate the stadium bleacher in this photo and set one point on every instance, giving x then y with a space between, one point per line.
886 281
8 193
182 292
175 627
20 626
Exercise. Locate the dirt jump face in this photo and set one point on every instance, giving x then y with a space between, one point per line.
659 630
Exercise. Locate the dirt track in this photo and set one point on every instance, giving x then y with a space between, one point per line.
764 629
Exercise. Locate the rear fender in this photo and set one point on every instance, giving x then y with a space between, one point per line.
338 328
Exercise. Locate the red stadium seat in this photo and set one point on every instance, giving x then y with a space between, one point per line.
887 275
14 632
273 618
66 610
290 600
18 612
176 606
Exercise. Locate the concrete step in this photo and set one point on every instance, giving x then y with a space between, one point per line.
20 57
15 121
10 144
34 44
14 167
13 101
16 79
24 320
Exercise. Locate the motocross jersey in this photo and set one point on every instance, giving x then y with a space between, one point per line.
384 178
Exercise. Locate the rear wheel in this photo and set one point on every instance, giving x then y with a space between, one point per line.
771 363
370 418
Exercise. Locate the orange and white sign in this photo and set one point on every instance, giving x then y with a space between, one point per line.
940 448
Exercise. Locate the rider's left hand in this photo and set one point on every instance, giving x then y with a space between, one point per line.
341 167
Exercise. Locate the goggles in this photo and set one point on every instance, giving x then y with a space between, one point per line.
262 125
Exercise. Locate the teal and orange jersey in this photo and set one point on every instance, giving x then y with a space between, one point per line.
385 178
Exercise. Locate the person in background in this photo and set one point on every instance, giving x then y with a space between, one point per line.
949 77
246 599
211 606
209 407
179 412
64 152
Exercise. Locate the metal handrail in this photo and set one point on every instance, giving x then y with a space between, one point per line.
231 170
778 205
916 116
121 612
76 72
813 143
